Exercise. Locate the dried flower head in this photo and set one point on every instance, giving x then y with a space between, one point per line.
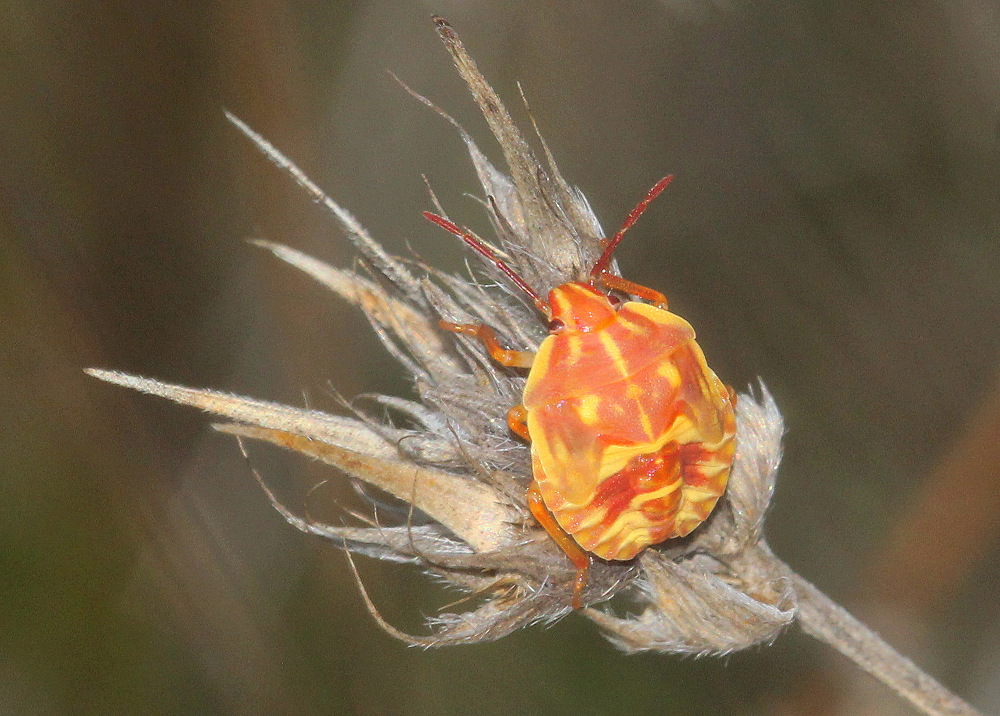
716 591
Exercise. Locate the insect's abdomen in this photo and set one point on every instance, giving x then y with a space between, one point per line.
639 459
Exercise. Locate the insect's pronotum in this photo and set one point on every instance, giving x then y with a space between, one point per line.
632 434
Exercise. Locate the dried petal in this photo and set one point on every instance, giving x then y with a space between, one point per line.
471 510
738 521
555 246
697 607
412 328
333 430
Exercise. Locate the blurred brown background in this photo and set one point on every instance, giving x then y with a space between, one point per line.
833 229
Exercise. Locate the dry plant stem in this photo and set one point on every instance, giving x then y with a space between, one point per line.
821 617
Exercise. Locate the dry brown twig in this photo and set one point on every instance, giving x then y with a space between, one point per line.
716 592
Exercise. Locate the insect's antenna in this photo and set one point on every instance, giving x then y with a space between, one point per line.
602 263
484 250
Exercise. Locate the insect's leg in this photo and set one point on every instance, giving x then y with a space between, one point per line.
635 289
517 418
579 558
503 356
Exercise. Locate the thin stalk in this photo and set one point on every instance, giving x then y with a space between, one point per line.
824 619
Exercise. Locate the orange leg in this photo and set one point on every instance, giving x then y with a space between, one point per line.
503 356
635 289
517 418
579 558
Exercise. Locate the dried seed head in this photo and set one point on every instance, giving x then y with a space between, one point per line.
717 591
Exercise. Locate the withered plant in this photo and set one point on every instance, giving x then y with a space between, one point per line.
457 465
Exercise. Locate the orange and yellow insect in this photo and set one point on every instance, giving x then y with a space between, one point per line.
632 434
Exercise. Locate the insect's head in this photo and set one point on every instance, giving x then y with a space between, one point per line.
576 305
580 307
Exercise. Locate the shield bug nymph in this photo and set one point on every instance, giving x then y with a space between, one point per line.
632 435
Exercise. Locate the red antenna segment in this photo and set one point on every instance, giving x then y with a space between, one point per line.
602 263
484 250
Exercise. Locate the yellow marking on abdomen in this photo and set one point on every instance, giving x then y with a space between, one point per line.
669 371
635 392
587 409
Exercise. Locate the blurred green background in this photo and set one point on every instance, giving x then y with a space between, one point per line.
833 229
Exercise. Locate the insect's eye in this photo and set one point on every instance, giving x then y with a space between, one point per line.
556 325
614 300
